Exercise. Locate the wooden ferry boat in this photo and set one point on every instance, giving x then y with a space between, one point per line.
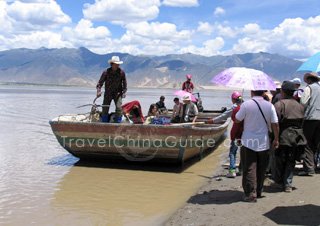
173 143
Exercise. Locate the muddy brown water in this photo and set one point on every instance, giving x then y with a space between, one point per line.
41 184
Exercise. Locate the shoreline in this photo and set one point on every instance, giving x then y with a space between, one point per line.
219 202
200 87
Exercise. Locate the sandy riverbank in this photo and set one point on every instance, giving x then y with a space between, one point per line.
219 202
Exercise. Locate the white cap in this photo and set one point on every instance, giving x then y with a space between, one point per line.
296 81
278 84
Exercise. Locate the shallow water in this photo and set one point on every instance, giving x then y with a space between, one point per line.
41 184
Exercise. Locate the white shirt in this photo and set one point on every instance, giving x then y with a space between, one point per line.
255 130
305 96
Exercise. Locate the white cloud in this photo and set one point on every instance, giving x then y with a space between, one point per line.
181 3
36 23
35 40
226 31
251 29
205 28
84 34
222 30
31 24
297 38
5 21
153 38
35 14
248 45
219 11
122 11
209 48
156 30
84 30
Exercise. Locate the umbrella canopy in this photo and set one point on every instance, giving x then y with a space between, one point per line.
244 78
182 93
312 64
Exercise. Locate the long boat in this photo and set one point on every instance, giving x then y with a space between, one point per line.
172 143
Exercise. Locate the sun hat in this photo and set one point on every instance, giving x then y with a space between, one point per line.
296 81
288 85
278 84
115 60
235 95
188 76
310 74
186 97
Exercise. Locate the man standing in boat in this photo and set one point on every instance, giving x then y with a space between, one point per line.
115 83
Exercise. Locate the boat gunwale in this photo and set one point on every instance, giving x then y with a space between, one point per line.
214 127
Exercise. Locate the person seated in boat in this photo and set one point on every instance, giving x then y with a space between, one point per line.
188 85
161 106
132 112
190 110
177 111
152 113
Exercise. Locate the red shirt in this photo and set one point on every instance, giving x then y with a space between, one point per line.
187 86
237 128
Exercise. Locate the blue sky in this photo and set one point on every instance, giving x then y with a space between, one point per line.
158 27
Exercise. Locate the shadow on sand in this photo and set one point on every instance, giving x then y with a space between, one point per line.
217 197
295 215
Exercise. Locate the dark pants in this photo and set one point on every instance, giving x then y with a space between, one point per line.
311 130
107 101
254 165
284 166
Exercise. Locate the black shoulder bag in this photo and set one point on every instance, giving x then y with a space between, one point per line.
270 132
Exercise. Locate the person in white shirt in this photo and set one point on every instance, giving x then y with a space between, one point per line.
258 116
190 110
177 111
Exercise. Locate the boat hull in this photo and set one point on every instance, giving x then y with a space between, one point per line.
137 143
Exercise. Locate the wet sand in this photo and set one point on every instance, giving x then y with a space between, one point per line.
219 202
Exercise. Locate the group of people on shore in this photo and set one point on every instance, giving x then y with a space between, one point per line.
115 83
274 132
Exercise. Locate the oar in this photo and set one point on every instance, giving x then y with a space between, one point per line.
188 123
97 105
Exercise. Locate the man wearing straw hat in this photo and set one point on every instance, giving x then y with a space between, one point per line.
190 110
311 125
115 83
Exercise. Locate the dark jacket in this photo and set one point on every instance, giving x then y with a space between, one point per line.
115 83
290 114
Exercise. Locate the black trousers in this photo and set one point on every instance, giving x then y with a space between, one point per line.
254 165
285 161
107 101
311 130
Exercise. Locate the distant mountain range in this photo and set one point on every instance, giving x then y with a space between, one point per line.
83 67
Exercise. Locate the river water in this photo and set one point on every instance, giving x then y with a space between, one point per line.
41 184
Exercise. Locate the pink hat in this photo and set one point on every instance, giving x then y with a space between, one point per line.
189 76
235 95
